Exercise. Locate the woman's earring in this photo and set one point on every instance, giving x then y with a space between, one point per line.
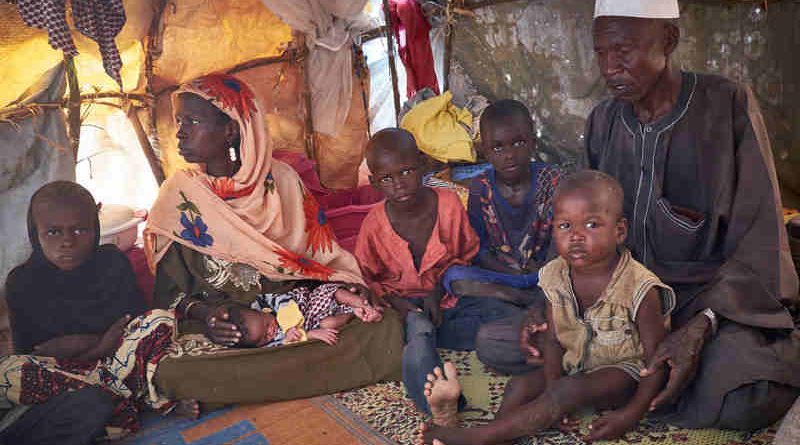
232 154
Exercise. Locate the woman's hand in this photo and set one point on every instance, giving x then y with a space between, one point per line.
534 324
681 352
329 336
219 329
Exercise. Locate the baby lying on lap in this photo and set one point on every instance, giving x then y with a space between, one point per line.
279 319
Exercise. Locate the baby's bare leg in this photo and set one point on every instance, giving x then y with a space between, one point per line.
335 321
564 396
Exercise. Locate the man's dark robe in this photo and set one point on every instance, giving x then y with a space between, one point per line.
704 211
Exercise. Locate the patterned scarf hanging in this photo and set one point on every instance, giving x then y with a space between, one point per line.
100 20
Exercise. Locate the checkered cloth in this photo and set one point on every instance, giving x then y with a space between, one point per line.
100 20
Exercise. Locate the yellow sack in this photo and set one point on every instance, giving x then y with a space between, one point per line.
437 126
289 316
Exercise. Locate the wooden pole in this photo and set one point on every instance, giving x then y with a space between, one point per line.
392 67
153 50
73 107
144 142
448 54
310 141
290 55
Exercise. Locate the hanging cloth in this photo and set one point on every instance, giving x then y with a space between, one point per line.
411 30
99 20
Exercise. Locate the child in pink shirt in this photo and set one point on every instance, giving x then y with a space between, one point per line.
406 245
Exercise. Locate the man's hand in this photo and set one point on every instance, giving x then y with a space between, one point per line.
681 352
220 330
534 324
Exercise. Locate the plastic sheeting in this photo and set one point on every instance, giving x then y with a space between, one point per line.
32 153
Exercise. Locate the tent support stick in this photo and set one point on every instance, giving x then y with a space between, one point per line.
144 142
299 41
448 55
73 107
392 67
154 49
290 55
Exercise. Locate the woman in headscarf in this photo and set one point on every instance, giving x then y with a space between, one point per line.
238 224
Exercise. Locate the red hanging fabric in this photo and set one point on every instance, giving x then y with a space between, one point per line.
411 30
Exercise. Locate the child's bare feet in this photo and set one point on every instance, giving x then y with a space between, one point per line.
188 408
442 391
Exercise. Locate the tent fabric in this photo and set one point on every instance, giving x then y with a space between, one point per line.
32 152
329 26
201 37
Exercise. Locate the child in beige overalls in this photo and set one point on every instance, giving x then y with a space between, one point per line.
606 315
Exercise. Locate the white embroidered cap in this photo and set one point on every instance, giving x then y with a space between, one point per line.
647 9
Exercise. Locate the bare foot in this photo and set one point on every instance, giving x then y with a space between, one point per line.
188 408
442 391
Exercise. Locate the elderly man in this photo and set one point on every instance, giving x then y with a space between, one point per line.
692 154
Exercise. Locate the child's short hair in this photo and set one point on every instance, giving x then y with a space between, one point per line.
505 109
64 193
592 181
393 140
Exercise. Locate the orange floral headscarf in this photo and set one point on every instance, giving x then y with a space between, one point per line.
261 216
